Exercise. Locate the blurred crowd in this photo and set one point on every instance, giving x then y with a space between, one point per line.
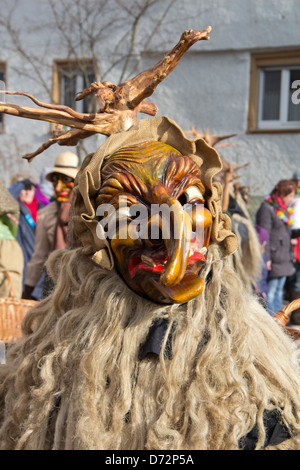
268 257
34 220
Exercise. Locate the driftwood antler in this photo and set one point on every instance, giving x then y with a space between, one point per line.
230 170
119 105
211 139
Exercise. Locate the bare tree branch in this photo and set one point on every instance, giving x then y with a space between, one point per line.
15 37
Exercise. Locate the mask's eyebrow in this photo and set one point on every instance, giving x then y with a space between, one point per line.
118 179
182 172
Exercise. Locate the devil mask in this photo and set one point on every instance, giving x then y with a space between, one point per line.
152 210
159 229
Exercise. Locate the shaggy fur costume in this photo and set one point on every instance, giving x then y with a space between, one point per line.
75 380
247 260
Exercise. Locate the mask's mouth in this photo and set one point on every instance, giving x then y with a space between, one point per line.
183 252
63 194
154 264
186 289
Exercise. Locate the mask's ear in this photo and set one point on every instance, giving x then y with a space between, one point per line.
221 228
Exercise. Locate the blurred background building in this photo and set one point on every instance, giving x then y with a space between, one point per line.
245 80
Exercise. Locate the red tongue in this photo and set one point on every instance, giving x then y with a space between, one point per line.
196 257
135 263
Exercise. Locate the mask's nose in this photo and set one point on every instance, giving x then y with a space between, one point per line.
59 186
177 245
174 227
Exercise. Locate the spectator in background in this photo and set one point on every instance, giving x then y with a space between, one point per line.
43 192
24 192
294 281
11 255
275 215
52 222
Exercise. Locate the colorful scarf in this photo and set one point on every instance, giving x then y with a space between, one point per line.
285 213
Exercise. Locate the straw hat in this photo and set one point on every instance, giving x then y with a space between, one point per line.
66 163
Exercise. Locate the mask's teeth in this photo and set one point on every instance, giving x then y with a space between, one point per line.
147 260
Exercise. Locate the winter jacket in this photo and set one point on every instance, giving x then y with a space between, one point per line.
278 248
45 232
27 226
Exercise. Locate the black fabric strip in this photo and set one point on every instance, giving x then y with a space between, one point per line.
156 335
276 432
154 340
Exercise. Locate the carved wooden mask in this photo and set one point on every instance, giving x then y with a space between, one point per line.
161 227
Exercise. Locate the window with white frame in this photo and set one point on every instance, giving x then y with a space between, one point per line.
277 109
274 92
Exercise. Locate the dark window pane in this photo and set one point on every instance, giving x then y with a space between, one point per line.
271 96
68 90
89 101
71 79
294 108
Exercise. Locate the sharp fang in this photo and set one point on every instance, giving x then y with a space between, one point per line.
203 251
147 260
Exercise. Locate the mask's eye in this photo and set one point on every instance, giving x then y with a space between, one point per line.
66 179
123 213
191 194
